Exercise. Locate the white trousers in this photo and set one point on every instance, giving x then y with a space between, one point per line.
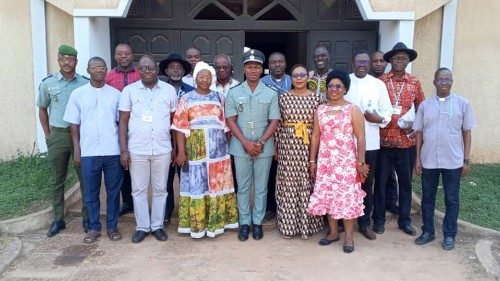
145 170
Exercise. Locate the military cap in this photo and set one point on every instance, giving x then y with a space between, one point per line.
67 50
253 55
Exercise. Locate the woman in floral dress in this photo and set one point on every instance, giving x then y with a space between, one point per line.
207 200
293 185
337 161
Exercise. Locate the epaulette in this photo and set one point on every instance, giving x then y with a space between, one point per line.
272 88
50 75
237 85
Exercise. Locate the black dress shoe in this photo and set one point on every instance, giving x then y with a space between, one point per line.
408 229
160 234
348 248
379 229
244 232
425 238
138 236
257 232
55 228
367 232
325 241
125 209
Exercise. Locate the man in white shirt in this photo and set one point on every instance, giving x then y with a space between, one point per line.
370 95
223 71
146 111
92 111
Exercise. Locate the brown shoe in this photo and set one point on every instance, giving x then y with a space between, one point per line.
368 233
114 235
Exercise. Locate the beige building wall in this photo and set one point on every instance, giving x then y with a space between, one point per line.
59 28
426 42
476 72
17 108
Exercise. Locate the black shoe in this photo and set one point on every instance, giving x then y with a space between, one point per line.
125 209
425 238
367 233
379 229
138 236
448 243
55 228
348 248
408 229
244 232
325 241
160 234
393 209
257 232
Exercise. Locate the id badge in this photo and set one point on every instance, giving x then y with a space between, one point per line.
397 109
147 117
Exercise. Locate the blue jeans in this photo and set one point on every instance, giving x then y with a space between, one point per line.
451 187
92 169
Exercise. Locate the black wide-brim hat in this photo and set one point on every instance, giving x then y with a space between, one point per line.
400 47
174 57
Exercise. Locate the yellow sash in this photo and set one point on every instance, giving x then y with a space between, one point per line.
300 130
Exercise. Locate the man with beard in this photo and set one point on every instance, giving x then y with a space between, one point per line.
281 82
174 68
92 112
54 92
317 77
123 74
193 56
252 115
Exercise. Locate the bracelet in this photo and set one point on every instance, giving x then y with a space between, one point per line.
361 163
312 161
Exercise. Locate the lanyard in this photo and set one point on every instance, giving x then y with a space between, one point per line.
398 96
450 114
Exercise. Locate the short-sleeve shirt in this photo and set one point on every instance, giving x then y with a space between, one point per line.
442 124
253 112
317 83
96 111
403 92
118 78
149 123
54 92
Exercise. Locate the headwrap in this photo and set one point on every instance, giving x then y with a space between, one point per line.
202 66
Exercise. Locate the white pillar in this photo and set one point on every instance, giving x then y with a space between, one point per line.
39 54
91 39
448 35
395 31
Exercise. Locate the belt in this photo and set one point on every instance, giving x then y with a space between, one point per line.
52 128
300 129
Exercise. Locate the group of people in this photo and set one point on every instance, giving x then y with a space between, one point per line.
313 147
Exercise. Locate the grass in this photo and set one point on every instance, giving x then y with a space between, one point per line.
25 185
479 195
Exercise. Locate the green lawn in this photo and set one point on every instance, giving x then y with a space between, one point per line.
25 185
479 195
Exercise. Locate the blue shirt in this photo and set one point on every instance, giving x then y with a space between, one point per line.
281 86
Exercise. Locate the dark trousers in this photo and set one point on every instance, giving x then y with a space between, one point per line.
391 191
169 208
367 186
390 159
126 189
271 187
92 169
451 187
59 153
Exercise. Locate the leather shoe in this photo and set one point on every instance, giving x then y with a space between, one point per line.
138 236
325 241
379 229
160 234
448 243
348 248
257 232
55 228
367 233
425 238
244 232
408 229
125 209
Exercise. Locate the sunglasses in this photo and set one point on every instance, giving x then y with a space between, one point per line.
150 68
299 75
335 86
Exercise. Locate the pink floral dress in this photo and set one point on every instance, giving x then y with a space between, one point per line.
336 191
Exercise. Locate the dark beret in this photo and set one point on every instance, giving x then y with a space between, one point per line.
67 50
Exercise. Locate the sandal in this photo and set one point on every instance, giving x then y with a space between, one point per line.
114 235
91 237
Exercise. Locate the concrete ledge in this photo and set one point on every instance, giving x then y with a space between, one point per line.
40 219
10 252
470 226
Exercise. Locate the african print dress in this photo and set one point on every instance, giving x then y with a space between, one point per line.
293 184
207 204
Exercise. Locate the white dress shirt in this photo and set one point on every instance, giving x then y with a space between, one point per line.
149 123
96 111
370 94
188 79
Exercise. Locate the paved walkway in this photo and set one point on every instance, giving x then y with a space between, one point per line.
393 256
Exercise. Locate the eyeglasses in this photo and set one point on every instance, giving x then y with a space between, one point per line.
444 81
66 58
335 86
401 59
301 75
361 62
145 68
96 68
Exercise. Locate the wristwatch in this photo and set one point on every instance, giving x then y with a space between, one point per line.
262 142
467 161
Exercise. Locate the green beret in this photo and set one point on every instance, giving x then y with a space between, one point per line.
67 50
